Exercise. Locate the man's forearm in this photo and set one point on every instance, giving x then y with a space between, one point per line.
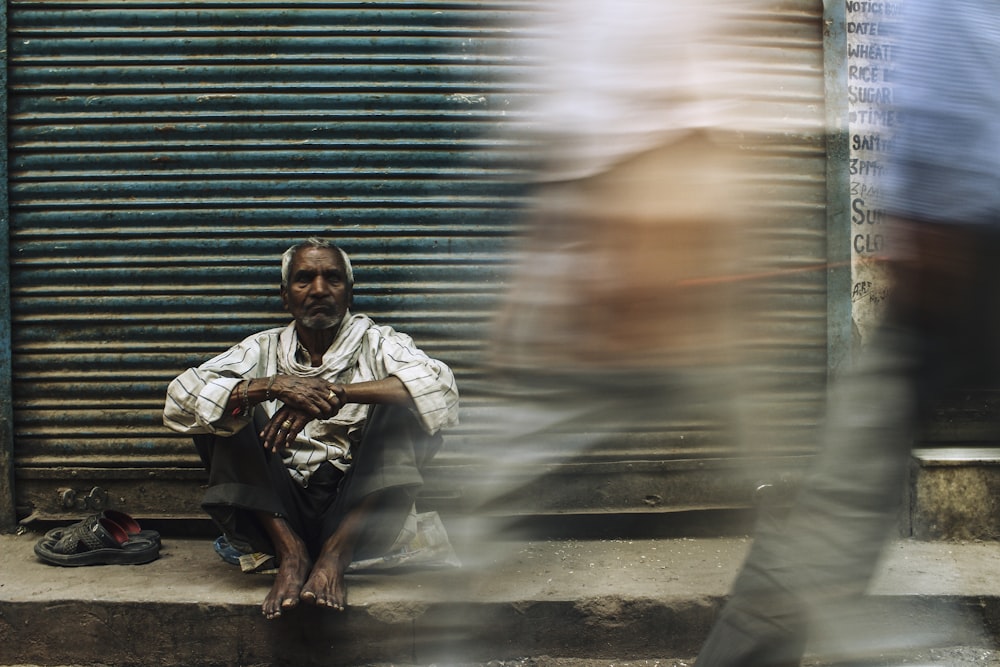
249 393
391 390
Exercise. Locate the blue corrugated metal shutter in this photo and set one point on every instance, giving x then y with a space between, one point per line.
163 154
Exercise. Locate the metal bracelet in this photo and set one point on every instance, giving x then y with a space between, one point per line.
246 398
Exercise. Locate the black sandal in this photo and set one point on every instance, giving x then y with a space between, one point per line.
100 542
126 522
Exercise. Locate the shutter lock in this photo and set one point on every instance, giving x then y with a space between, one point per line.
93 500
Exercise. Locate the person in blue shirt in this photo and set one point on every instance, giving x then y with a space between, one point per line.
940 332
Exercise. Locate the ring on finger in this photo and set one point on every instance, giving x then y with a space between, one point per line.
286 425
331 395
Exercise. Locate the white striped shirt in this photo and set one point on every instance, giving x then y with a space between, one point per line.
363 351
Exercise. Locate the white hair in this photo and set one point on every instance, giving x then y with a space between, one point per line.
314 242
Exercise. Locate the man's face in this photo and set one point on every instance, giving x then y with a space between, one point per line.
317 294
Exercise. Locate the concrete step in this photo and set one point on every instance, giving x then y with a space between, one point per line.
565 599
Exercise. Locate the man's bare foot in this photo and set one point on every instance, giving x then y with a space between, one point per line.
285 592
326 586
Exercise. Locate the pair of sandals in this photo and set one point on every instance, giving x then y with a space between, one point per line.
107 538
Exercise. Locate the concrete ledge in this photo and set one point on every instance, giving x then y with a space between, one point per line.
955 494
615 599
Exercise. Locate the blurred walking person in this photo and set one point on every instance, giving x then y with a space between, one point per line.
940 332
626 299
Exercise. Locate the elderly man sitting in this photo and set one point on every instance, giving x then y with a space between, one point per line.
314 434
